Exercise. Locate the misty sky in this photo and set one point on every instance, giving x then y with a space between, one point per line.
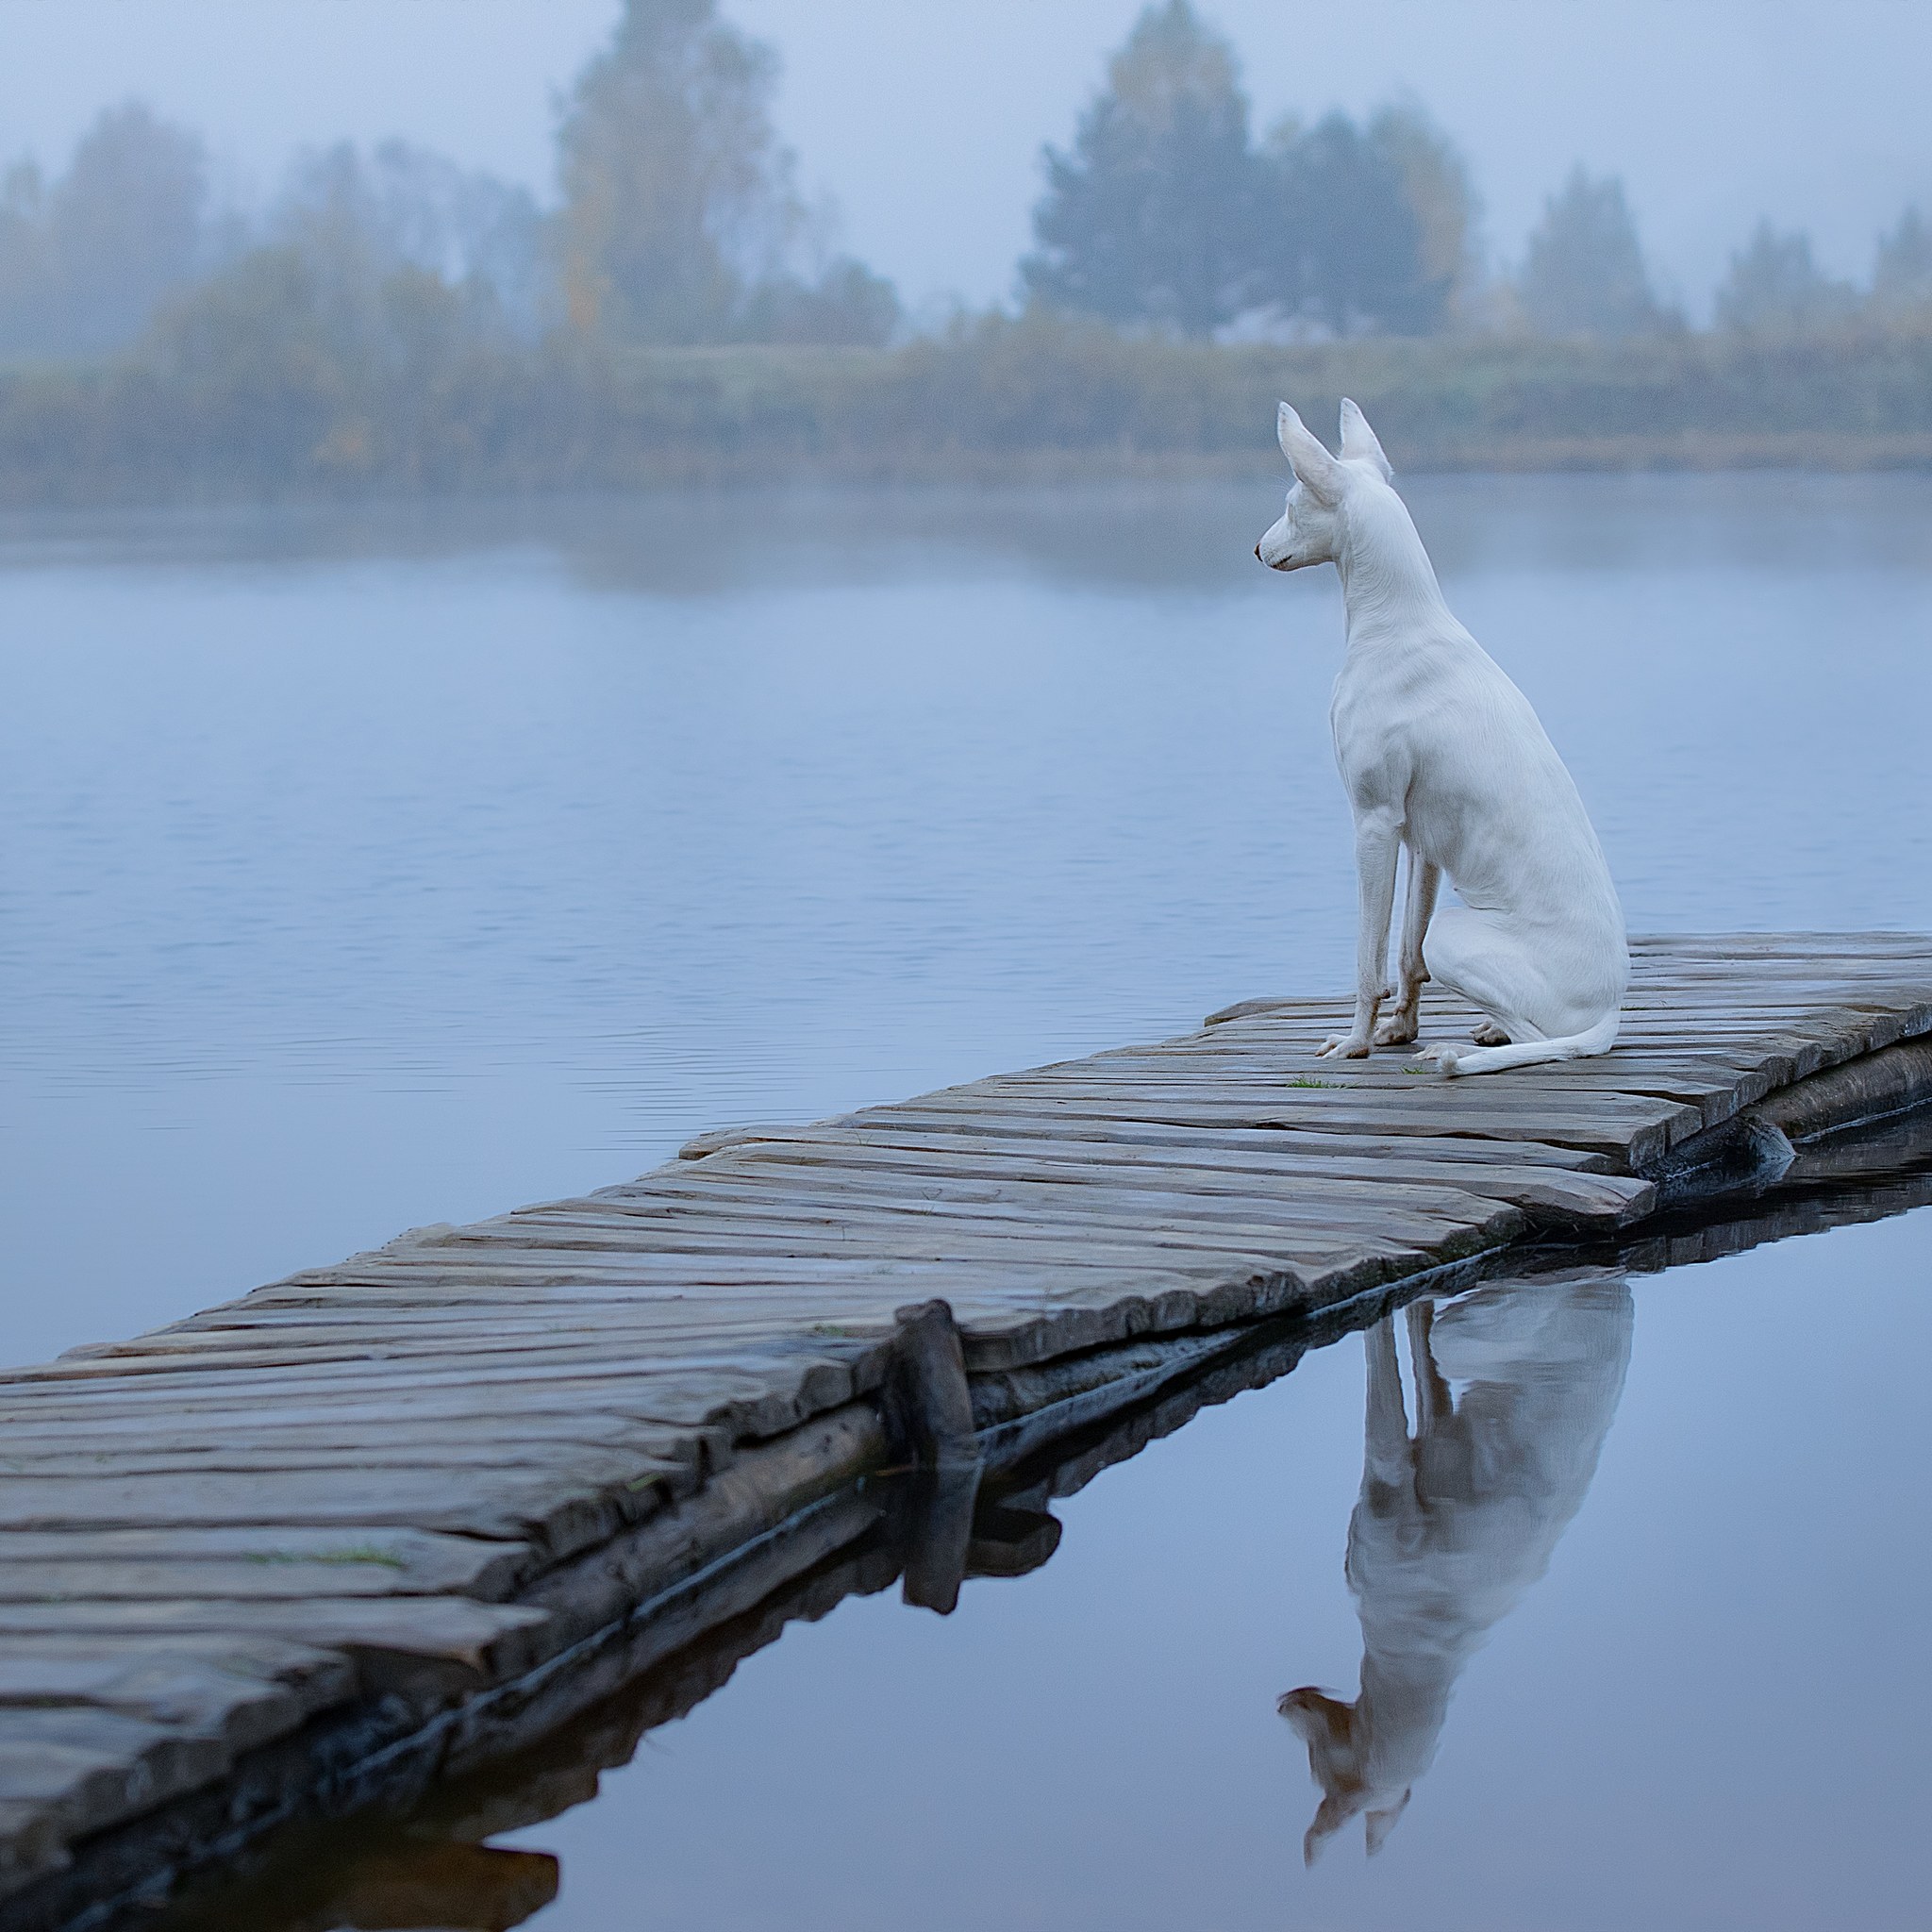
924 118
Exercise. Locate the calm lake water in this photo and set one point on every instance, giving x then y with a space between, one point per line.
362 869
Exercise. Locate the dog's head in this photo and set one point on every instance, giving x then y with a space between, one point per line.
1311 526
1336 1736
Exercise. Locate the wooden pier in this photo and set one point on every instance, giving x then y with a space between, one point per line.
383 1518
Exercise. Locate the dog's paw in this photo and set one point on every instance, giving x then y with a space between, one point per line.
1489 1034
1398 1029
1343 1046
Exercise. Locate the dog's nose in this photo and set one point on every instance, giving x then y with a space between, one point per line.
1258 553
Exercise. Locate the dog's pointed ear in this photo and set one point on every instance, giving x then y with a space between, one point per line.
1358 439
1308 456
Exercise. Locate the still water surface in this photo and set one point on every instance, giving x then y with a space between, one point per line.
364 869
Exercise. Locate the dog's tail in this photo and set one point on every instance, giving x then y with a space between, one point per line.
1534 1052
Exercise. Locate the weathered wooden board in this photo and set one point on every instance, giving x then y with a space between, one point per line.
233 1526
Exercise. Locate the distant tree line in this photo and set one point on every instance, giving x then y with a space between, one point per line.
1166 214
1040 396
678 223
391 320
1584 274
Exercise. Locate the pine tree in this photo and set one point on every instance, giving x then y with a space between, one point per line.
1584 273
1344 245
1775 287
1902 276
1151 218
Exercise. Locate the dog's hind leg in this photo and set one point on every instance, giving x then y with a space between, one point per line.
1402 1025
1475 955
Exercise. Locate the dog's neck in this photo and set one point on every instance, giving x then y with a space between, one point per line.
1388 586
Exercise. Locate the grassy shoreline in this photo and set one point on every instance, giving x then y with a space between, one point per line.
1036 400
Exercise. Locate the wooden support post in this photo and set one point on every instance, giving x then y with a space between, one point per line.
938 1535
929 1409
928 1406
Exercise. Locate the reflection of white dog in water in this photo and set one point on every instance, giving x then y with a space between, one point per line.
1441 754
1454 1525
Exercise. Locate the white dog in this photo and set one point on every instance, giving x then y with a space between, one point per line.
1441 753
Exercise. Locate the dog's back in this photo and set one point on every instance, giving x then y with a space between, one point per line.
1486 796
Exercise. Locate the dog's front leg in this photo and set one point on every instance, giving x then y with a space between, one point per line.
1405 1023
1377 840
1388 1456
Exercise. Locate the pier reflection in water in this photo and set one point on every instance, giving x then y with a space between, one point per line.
1667 1672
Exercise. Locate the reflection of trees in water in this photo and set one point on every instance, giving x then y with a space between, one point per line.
1457 1520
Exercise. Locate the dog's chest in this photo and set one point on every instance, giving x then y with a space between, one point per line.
1386 711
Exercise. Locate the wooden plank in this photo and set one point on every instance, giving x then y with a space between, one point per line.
26 1444
1633 1132
317 1679
786 1201
852 1198
566 1459
139 1413
700 1392
351 1559
523 1504
178 1693
690 1238
728 1373
164 1579
802 1276
908 1126
1614 1199
490 1639
90 1769
1386 1080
